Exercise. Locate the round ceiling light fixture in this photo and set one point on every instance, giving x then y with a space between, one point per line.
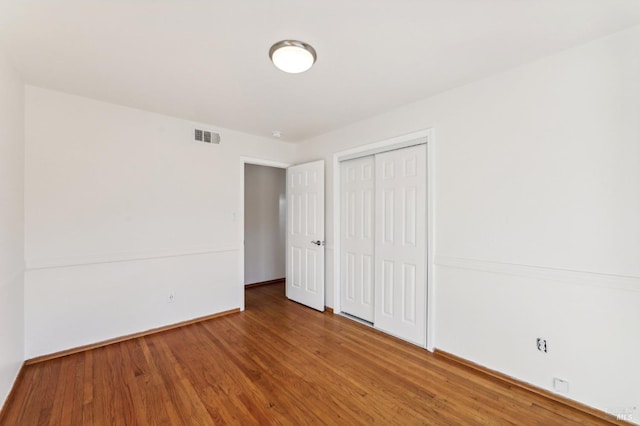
292 56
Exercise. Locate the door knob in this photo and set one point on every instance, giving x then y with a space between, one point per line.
318 243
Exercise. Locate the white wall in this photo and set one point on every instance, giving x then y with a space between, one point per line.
122 208
264 223
537 200
11 226
537 207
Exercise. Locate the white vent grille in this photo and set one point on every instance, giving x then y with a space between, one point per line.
206 136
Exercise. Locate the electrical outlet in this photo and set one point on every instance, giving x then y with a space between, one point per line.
171 298
560 386
541 344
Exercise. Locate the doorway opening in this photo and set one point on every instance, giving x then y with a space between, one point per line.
264 224
263 211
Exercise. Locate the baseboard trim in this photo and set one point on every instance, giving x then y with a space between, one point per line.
127 337
12 392
261 283
530 388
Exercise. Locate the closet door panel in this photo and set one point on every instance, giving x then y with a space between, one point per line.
357 231
400 243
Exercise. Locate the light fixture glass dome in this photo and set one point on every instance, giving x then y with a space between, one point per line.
292 56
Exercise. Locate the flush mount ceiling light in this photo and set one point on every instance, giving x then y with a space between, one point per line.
292 56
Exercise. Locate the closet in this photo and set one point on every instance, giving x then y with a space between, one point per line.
383 241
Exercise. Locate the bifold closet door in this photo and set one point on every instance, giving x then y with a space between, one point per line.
357 203
400 243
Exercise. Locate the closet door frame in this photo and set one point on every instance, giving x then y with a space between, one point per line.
417 138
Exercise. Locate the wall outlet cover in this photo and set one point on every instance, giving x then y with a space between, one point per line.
541 344
560 386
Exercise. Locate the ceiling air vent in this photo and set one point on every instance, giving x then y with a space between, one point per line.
206 136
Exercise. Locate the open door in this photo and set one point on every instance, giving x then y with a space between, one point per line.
305 234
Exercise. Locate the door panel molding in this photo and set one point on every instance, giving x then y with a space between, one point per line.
426 136
357 237
305 226
400 261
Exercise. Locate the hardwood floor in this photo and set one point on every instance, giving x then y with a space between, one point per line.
275 363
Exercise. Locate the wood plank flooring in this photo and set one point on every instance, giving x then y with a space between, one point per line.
276 363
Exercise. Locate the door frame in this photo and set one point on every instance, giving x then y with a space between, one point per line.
426 137
240 214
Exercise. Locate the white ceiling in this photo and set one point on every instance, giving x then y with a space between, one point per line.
207 60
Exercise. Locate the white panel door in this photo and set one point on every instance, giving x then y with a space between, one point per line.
305 234
400 243
357 190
